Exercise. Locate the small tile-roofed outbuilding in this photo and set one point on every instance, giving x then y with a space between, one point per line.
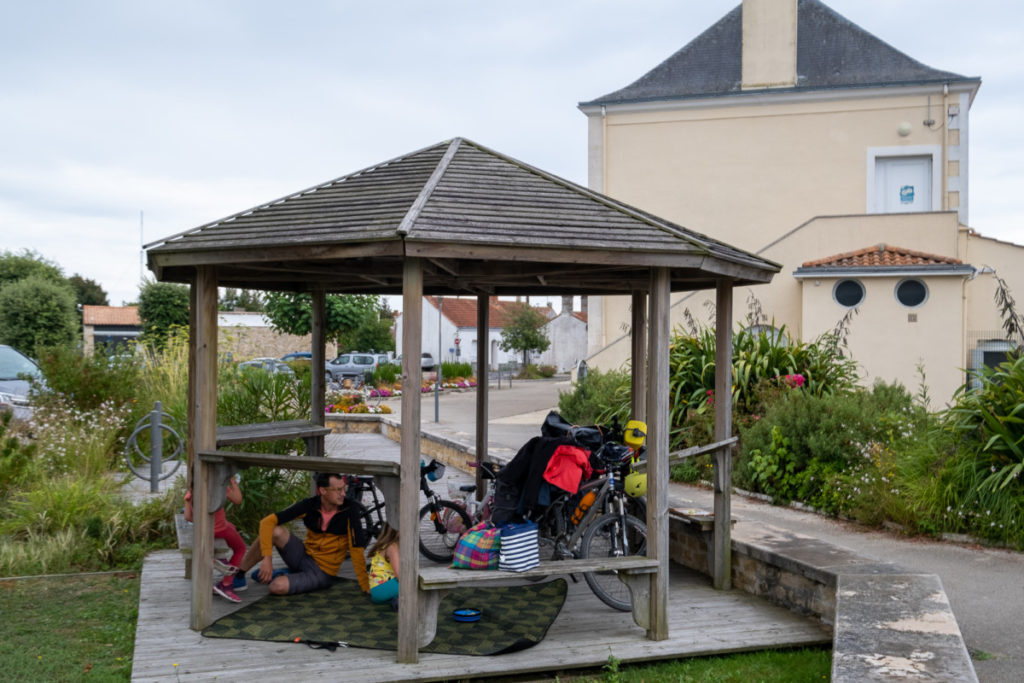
832 52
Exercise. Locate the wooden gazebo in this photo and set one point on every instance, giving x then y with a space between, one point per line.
455 218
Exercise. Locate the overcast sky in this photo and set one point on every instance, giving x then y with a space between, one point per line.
188 111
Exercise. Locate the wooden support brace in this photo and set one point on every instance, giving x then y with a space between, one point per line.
429 603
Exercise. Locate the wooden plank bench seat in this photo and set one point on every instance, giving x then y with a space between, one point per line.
435 582
270 431
185 531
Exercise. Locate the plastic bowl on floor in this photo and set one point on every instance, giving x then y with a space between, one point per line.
466 615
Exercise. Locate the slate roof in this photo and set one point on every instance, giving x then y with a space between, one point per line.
832 53
462 208
111 315
884 258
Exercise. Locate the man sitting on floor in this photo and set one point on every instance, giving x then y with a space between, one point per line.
332 531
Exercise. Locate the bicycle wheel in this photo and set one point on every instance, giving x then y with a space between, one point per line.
372 510
440 530
605 538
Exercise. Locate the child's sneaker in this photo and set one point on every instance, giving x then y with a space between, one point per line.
239 584
225 592
224 567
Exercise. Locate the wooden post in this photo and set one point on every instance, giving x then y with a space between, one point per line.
408 514
657 450
318 362
204 435
483 362
638 335
723 430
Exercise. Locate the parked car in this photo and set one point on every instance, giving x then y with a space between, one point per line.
271 365
349 365
298 355
426 361
17 371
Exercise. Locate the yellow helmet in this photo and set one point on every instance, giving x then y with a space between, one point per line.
636 432
635 484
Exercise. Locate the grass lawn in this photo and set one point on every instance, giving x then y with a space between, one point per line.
69 628
805 665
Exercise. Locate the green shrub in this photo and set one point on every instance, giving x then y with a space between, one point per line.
86 381
832 452
547 370
16 455
759 357
991 419
387 373
453 370
597 399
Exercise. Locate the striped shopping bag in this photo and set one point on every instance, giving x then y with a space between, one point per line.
519 550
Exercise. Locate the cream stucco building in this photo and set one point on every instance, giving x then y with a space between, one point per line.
790 131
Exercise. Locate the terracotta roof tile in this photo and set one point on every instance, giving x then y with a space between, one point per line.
111 315
881 255
462 312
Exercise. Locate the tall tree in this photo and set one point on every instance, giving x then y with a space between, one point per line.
241 299
292 313
162 307
524 333
37 311
88 292
14 267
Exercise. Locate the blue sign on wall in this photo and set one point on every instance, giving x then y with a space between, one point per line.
907 194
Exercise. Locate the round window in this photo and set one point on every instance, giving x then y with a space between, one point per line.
848 293
911 293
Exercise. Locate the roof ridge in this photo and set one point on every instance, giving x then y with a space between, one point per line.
428 188
635 213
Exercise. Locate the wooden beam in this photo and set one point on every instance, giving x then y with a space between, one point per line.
319 350
204 400
723 430
409 493
483 367
657 450
638 336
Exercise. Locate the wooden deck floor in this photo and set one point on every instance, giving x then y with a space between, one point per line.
702 621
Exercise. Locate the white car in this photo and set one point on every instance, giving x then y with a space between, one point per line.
17 371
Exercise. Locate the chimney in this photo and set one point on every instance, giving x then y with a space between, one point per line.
566 304
584 304
769 44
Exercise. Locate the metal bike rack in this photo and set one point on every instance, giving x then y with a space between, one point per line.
156 422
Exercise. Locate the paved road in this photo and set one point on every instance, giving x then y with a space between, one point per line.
985 586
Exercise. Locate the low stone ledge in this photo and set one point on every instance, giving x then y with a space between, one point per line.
896 626
887 622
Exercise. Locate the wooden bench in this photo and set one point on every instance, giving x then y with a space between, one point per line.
185 531
436 582
310 432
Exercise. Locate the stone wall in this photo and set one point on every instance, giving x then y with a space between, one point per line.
263 342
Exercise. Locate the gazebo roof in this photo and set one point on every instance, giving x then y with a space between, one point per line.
483 222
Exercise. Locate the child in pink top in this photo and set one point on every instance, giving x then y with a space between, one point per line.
222 528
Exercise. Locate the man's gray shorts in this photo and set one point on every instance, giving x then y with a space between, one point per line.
304 574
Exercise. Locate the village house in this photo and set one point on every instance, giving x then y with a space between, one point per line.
457 338
790 131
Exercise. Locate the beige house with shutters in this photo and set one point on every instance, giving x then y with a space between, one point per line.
792 132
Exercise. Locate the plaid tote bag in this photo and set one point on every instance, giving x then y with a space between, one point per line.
478 548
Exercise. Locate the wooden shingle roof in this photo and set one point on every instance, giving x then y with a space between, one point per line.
464 209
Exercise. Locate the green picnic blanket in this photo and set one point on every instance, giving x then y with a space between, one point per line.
513 618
